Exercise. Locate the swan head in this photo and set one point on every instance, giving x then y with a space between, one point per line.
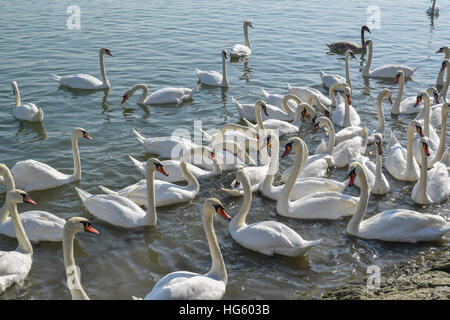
379 143
443 49
248 24
212 205
263 106
130 92
224 54
433 91
386 93
80 133
365 28
420 97
79 224
348 94
307 109
240 177
153 164
398 75
19 196
417 126
207 152
367 43
350 54
353 170
424 141
266 141
322 121
106 51
292 143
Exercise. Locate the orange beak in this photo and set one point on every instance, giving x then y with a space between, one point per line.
90 229
109 53
390 100
352 178
303 113
286 151
223 213
124 98
27 199
396 79
426 149
161 169
349 100
418 100
85 135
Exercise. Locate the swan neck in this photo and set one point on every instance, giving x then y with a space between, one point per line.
258 116
366 70
24 244
273 164
286 193
346 122
247 41
441 148
239 220
332 137
353 225
72 271
444 89
426 118
103 70
17 94
76 159
362 38
379 165
409 151
380 114
150 217
401 85
218 269
224 73
187 174
10 185
347 70
422 187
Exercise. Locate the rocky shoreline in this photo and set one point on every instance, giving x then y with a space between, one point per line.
427 278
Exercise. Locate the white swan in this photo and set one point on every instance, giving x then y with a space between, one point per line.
322 205
399 225
166 193
172 167
166 147
28 111
185 285
39 225
343 46
15 265
247 111
330 79
304 92
434 184
408 105
162 96
214 78
266 237
304 185
445 109
446 50
73 226
433 10
283 127
32 175
121 211
385 71
276 99
428 130
341 152
376 179
345 115
239 50
85 81
353 131
400 161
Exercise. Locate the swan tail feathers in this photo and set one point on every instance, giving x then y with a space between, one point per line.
393 140
446 159
265 93
39 116
233 193
56 77
288 85
313 243
206 135
237 103
199 73
139 136
137 164
84 195
194 91
108 191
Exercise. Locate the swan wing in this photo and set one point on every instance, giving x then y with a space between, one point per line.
390 71
81 81
330 79
168 95
240 50
211 78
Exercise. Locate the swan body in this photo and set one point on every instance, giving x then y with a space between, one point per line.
73 226
386 71
32 175
247 111
214 78
121 211
331 79
322 205
85 81
166 147
266 237
345 115
398 225
162 96
304 92
343 46
15 265
399 160
434 184
239 50
27 111
275 99
166 193
185 285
